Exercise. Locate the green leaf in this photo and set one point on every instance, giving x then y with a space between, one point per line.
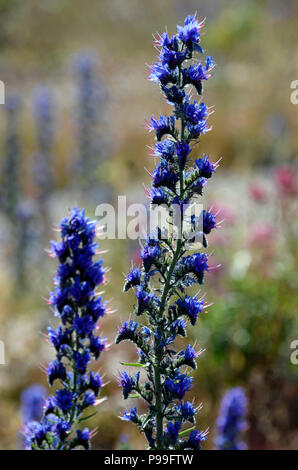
136 395
133 364
182 433
87 417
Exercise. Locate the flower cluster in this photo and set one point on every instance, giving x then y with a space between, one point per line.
32 401
231 420
167 270
75 341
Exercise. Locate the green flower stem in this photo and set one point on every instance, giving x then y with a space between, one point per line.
157 374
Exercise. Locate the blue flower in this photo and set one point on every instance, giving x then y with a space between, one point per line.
62 428
195 130
186 410
96 308
172 58
59 337
56 370
128 383
194 75
205 167
133 278
83 438
66 314
149 255
89 399
161 73
83 325
190 355
95 382
164 125
173 430
59 250
142 356
209 62
209 222
174 94
165 149
81 360
95 274
97 345
178 327
231 420
143 299
195 439
131 415
190 307
63 272
178 386
194 264
127 331
190 32
182 150
50 405
165 175
80 291
36 433
146 332
195 113
64 399
32 399
197 185
159 196
165 41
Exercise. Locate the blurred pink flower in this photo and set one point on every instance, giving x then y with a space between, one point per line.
258 193
136 257
224 213
219 238
286 180
262 234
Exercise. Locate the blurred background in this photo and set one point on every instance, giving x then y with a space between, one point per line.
77 91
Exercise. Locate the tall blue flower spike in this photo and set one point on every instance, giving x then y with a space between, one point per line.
43 173
167 270
231 420
90 104
11 180
79 308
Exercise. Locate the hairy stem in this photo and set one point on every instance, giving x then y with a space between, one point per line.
167 286
157 374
